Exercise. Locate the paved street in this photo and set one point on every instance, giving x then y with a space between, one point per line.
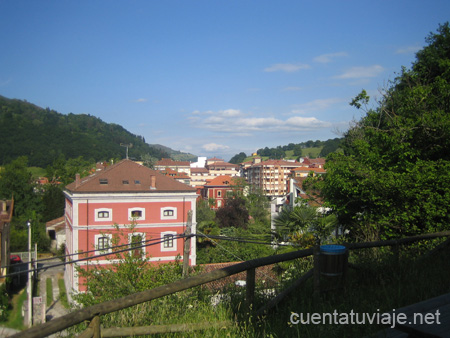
56 309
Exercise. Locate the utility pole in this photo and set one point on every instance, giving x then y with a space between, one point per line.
29 289
187 245
127 146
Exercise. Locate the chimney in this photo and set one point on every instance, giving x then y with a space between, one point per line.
152 182
256 160
77 180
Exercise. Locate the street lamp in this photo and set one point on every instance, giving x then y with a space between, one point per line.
29 290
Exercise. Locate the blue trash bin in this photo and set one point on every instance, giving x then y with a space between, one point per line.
333 259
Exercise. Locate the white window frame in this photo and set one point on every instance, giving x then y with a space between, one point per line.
163 210
103 219
130 212
142 234
174 247
103 251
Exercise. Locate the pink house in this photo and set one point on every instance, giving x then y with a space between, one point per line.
122 194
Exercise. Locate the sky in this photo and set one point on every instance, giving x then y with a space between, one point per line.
212 77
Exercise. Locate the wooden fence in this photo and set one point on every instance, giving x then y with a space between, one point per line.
94 312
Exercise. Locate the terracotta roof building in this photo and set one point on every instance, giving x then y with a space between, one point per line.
123 194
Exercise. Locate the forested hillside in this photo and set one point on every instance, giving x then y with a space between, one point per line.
44 134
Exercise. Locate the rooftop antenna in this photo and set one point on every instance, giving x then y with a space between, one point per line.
126 146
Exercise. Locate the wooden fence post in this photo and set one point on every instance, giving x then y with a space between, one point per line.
187 245
316 260
250 288
96 326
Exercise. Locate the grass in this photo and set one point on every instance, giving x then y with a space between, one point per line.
37 172
49 288
15 319
379 284
63 293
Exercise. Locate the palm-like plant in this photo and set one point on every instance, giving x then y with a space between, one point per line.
305 219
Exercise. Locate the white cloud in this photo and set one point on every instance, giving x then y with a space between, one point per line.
326 58
361 72
214 147
141 100
239 124
408 50
286 67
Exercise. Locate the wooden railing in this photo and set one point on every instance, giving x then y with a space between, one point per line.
94 312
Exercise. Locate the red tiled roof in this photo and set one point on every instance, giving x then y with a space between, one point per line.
215 159
57 224
173 173
224 180
319 160
199 171
171 163
127 176
264 274
222 164
282 163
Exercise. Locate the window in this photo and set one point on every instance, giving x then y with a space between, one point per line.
136 214
219 193
103 181
137 182
103 214
125 182
169 241
137 240
169 213
103 243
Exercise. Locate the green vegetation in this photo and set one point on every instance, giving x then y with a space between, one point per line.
49 290
293 151
243 217
44 135
393 177
63 293
15 318
380 284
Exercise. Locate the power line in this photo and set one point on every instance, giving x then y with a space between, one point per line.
95 256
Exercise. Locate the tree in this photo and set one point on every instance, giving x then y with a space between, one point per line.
238 158
233 214
393 177
297 150
16 181
53 202
302 221
149 161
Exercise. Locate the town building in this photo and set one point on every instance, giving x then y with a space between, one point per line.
214 167
270 176
180 166
219 189
105 203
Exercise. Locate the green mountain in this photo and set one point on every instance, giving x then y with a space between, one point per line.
44 134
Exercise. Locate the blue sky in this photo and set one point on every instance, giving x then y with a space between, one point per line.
213 78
